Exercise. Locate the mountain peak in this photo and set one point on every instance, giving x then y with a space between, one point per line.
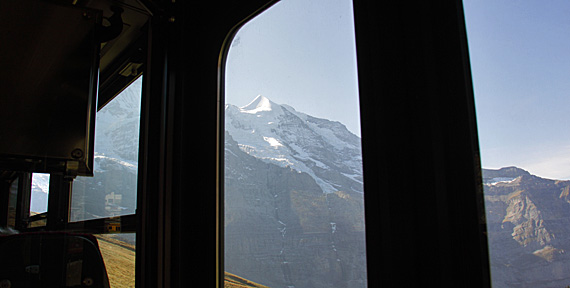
260 103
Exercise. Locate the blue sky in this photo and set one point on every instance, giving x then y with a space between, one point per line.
301 53
520 60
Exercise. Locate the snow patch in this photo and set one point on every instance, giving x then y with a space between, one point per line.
258 104
319 164
127 164
272 142
354 177
498 180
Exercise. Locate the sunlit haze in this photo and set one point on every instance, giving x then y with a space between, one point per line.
299 53
520 60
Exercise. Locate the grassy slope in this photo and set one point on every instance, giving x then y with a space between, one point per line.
119 260
233 281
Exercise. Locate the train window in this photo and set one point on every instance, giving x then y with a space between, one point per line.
40 192
520 66
113 189
293 184
12 203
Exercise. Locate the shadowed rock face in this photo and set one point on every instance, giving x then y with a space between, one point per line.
282 230
294 211
528 228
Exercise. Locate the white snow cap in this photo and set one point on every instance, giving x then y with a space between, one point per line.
260 103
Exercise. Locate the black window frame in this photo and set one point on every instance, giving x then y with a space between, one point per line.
420 153
415 59
425 220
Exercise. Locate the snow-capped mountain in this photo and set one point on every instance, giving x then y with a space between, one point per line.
112 190
293 191
117 128
281 135
40 188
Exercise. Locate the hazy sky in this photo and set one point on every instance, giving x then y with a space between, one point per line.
520 58
300 53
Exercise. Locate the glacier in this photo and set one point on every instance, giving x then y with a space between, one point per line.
279 134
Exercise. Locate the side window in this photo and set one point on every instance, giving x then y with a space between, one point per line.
40 192
113 189
293 184
520 66
12 203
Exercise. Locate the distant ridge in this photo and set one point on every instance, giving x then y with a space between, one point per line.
528 224
510 172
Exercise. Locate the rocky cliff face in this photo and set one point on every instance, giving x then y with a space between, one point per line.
281 230
528 229
294 210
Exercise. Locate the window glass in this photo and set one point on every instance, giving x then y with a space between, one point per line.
12 202
520 65
40 192
113 189
293 186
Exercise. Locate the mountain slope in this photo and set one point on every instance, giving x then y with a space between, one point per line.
279 134
294 207
282 230
528 220
234 281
